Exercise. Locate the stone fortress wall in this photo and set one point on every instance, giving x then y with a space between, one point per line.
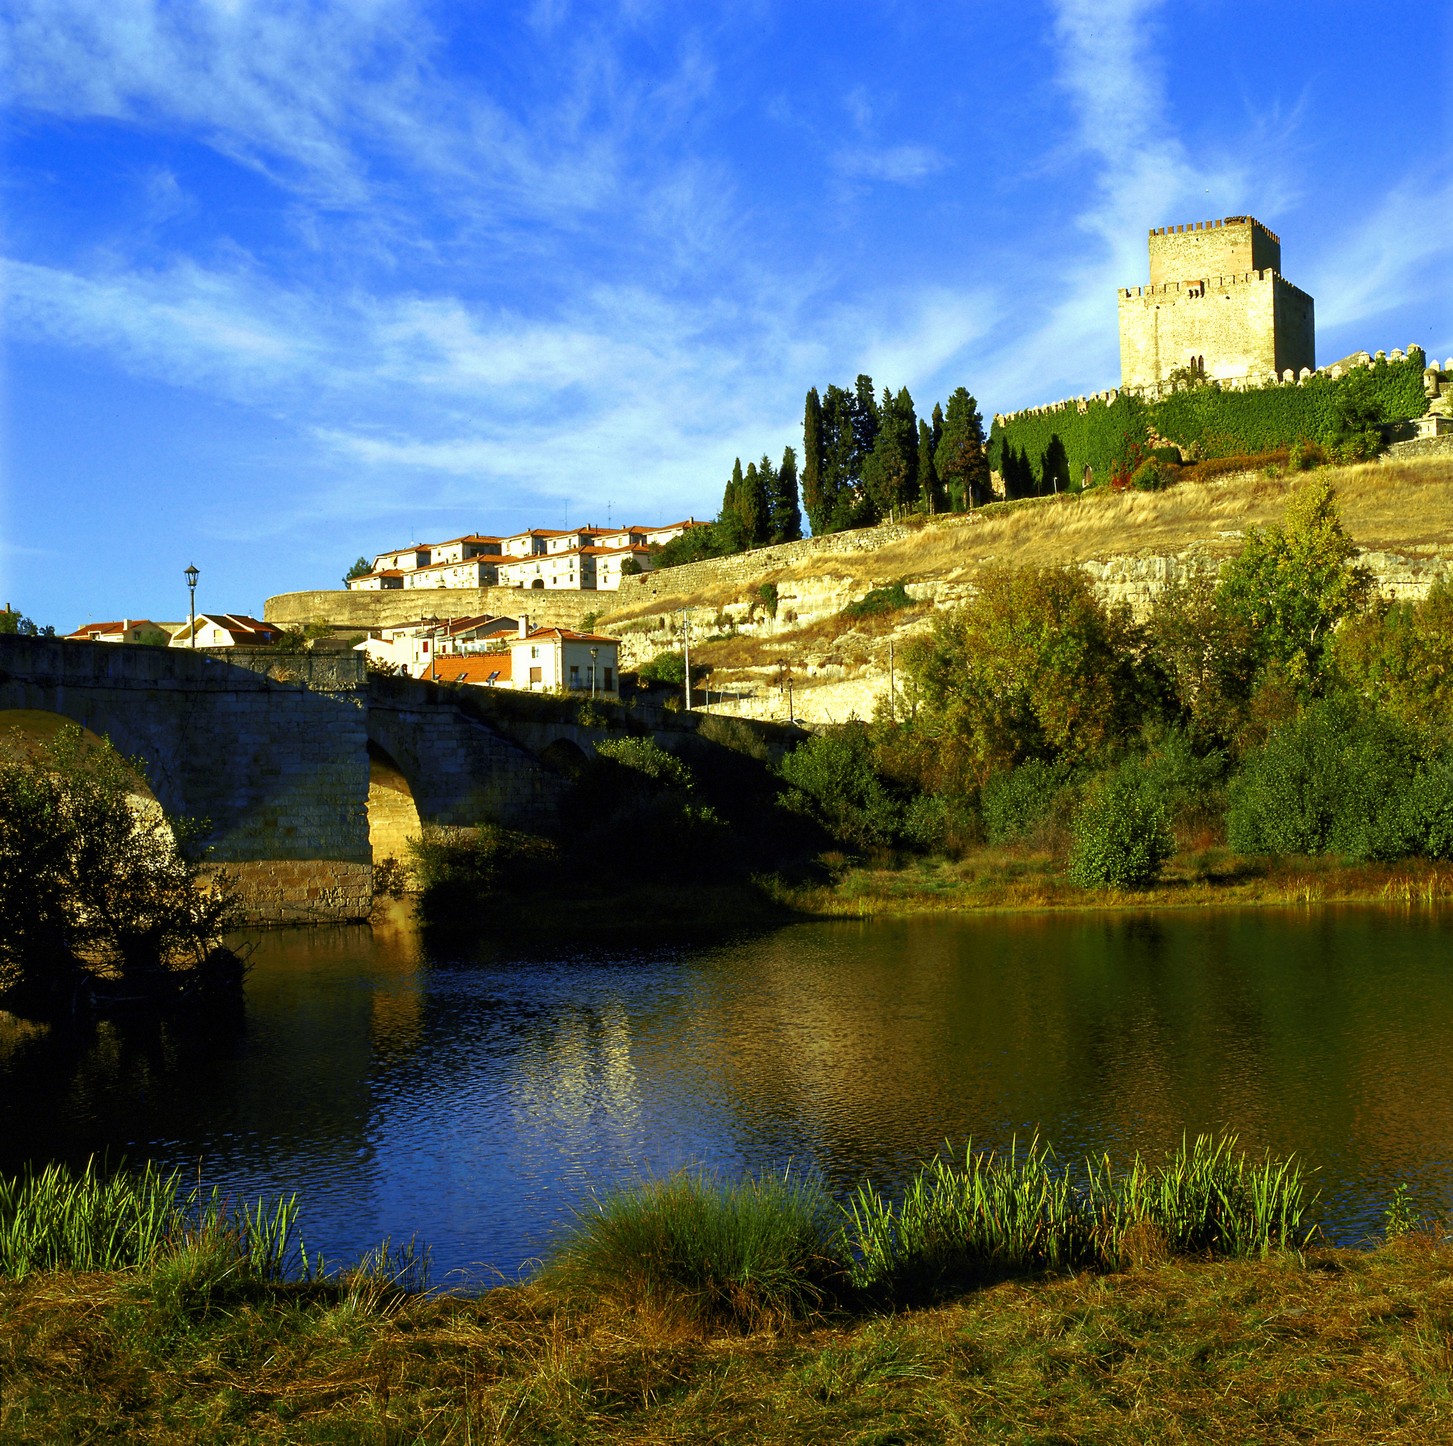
367 610
1217 305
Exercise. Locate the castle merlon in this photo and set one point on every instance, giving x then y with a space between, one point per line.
1167 287
1194 226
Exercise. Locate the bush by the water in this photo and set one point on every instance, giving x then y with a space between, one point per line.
98 885
1122 836
745 1253
835 775
1018 804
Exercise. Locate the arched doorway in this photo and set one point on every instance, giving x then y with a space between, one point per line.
393 817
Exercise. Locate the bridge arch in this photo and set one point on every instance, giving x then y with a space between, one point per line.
393 815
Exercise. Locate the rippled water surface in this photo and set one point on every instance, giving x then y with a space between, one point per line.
473 1103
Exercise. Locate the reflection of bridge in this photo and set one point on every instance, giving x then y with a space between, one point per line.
304 769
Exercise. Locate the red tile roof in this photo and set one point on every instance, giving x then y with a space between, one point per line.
481 668
568 635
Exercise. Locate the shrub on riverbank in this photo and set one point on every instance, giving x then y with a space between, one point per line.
745 1254
99 888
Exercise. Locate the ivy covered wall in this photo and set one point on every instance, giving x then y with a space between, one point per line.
1216 422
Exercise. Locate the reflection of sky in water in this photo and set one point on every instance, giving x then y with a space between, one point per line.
475 1105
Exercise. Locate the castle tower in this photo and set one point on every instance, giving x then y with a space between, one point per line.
1217 307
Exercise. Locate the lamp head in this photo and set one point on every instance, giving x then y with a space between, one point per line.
191 574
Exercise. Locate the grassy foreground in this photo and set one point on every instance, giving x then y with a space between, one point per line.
1330 1346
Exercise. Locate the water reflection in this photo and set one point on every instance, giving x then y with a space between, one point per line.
477 1103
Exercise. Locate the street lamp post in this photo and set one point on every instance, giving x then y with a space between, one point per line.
593 652
191 574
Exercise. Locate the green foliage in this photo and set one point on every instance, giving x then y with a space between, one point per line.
696 544
1034 666
1334 779
668 670
457 869
767 592
92 878
960 457
815 501
837 770
1340 415
746 1254
1017 804
361 568
646 757
991 1215
783 510
1294 582
890 598
1400 656
1429 812
1152 475
63 1219
15 624
930 493
890 470
1122 836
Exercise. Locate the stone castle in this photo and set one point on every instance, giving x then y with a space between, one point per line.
1217 308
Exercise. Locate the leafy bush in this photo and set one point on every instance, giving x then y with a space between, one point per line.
1018 803
646 757
879 600
1121 837
745 1254
1151 475
836 769
95 880
1336 778
1429 815
941 822
668 670
767 592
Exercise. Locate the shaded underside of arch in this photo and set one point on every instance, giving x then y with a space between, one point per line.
393 816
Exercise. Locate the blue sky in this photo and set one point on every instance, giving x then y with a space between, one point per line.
287 283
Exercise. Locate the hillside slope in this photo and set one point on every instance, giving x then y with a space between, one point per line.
769 623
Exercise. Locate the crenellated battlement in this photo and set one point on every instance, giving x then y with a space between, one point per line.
1215 226
1196 288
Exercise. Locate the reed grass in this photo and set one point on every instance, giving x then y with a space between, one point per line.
58 1218
990 1215
745 1253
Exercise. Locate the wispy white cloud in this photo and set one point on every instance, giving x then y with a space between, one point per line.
901 165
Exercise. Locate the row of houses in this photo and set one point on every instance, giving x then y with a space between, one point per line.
589 558
499 652
213 630
494 652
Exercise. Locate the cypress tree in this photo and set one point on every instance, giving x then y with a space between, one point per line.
928 498
785 513
840 464
813 498
730 520
867 419
752 506
960 457
890 473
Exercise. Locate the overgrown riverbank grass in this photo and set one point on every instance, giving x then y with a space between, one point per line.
1334 1345
1007 878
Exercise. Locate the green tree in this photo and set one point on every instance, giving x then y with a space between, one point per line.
16 624
814 500
1122 838
1034 666
840 470
890 471
1400 657
753 506
782 506
1294 581
1054 468
361 568
930 499
962 462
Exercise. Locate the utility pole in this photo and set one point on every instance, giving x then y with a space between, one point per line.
892 704
686 651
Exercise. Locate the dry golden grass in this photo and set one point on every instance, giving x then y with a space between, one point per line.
1335 1346
1404 507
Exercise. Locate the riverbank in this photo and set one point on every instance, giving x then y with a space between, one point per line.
1333 1345
1213 878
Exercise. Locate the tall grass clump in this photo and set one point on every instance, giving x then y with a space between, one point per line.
746 1254
986 1216
84 1220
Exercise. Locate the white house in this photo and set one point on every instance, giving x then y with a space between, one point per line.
559 660
227 630
128 630
466 572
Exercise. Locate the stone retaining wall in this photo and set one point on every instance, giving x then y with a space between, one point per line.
340 608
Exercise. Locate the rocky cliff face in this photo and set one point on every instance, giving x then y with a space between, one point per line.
838 670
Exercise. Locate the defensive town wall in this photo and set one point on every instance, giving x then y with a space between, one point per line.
341 608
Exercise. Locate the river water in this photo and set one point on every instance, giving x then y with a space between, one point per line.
474 1102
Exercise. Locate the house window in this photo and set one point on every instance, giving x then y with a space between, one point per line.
535 675
609 681
574 675
534 652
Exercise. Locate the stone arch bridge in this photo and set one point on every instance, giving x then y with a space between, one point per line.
306 770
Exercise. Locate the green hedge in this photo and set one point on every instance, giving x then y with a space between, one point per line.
1221 423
